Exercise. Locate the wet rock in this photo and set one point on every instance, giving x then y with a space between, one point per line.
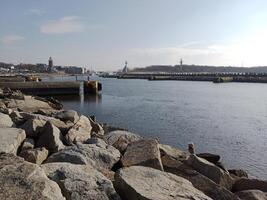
80 182
80 132
28 144
138 182
249 184
24 180
11 139
33 127
67 115
238 173
252 195
121 139
100 155
5 120
144 153
213 158
211 171
50 138
36 156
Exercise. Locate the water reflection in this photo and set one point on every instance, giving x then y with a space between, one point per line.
84 100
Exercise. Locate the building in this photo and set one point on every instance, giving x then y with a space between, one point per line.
74 70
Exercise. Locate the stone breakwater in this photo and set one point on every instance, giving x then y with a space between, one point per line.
52 154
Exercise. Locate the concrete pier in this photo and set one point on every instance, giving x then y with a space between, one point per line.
54 88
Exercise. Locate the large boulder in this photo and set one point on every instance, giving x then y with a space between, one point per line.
5 120
99 155
80 132
11 139
198 180
170 155
120 139
249 184
138 182
211 171
50 138
36 156
67 115
29 104
252 195
144 153
23 180
81 182
63 127
33 127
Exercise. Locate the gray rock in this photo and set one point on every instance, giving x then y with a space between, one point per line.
2 104
97 129
80 182
169 154
213 158
50 138
33 127
252 195
5 120
146 183
11 139
17 118
28 144
144 153
24 180
67 115
63 127
211 171
36 156
29 104
80 132
121 139
238 173
249 184
99 155
198 180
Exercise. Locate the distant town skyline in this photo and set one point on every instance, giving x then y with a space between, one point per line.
102 34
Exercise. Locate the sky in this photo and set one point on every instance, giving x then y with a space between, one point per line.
103 34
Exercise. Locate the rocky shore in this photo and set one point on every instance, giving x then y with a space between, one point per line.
48 153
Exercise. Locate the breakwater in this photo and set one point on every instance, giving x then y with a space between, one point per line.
213 77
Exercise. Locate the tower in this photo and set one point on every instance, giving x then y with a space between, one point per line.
125 69
181 64
50 64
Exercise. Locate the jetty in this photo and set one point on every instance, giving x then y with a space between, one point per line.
54 88
215 77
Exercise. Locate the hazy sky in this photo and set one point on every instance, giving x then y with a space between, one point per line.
104 33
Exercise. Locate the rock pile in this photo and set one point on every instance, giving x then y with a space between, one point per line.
50 153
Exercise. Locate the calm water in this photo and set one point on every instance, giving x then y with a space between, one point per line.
228 119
